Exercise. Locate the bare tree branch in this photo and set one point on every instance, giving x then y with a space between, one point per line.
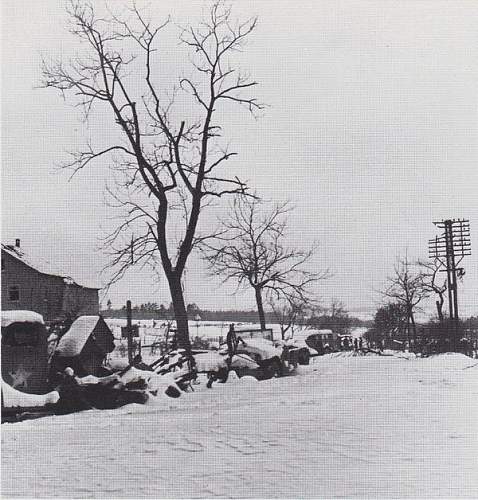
162 162
253 253
407 288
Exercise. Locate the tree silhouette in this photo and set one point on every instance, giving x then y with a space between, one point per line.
252 251
166 160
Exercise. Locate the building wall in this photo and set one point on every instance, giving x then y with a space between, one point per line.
80 301
43 293
38 292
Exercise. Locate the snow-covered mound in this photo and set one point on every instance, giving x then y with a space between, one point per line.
117 363
153 381
209 362
11 398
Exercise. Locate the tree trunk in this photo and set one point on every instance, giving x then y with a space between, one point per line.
260 307
439 304
180 312
414 329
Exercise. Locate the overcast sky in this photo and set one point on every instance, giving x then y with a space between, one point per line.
371 132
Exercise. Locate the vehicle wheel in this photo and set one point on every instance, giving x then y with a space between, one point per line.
276 367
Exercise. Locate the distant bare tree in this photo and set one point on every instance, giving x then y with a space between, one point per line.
167 154
432 283
335 317
408 289
252 251
288 312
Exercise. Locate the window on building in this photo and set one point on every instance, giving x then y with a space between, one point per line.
14 293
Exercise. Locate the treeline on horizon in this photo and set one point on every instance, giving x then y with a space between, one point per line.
152 311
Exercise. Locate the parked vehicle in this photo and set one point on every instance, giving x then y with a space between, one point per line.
24 366
24 351
308 341
272 359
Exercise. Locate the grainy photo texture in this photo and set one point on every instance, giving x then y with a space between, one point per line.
238 249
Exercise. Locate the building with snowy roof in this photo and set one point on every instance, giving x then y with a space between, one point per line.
84 346
36 285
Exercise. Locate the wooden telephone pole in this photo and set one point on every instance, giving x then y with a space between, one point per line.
449 249
129 331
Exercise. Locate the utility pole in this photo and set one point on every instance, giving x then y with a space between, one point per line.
129 331
449 249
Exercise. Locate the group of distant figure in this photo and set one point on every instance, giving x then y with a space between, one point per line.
349 344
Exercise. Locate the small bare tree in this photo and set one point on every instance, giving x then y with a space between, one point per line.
432 283
335 317
288 312
164 159
408 289
252 251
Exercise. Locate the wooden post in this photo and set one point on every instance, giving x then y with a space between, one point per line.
129 331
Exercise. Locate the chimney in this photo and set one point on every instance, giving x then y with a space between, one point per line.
17 242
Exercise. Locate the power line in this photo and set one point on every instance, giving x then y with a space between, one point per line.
449 249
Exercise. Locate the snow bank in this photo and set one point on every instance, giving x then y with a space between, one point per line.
248 379
210 362
154 381
117 363
13 398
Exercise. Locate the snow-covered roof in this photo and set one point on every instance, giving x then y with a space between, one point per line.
9 317
72 343
44 266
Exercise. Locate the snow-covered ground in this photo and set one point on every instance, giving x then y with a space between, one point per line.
205 329
346 426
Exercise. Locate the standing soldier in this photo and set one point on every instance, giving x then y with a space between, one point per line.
231 340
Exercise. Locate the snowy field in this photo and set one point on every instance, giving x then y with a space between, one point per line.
345 426
204 329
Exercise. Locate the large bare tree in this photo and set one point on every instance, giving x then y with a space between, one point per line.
168 158
252 250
